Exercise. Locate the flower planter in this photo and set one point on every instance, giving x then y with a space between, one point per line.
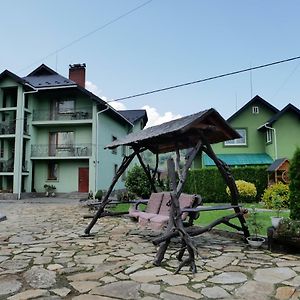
255 242
275 221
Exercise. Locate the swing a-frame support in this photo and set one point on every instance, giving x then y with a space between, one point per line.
196 133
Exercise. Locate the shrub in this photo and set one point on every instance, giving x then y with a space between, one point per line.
278 190
288 228
294 175
99 195
137 182
254 222
247 190
209 183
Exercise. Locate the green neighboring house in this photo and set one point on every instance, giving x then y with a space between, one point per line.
53 131
266 134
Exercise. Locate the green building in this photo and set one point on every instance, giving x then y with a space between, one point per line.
266 134
53 131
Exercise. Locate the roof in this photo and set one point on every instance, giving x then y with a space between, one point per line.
182 133
15 77
43 77
290 107
240 159
135 115
255 100
277 164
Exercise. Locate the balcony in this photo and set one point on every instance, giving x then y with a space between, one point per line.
61 151
7 128
46 115
7 165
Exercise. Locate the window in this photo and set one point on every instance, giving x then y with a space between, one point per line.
238 142
1 148
114 151
63 140
52 171
123 150
115 169
269 136
65 106
255 110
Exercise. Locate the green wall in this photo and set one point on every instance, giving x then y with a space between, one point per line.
67 175
288 134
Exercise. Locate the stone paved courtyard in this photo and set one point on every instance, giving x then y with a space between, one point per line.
42 256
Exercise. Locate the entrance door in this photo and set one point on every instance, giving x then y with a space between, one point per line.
83 180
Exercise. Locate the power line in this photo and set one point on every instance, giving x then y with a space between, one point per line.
87 34
206 79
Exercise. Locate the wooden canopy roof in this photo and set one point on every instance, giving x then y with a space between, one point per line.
182 133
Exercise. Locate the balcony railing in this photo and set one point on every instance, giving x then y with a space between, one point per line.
7 165
7 128
46 115
62 150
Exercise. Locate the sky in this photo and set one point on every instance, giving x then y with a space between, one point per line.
163 43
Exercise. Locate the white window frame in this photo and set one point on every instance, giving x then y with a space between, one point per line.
255 110
240 141
269 136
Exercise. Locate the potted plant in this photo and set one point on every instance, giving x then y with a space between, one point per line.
255 226
277 205
50 188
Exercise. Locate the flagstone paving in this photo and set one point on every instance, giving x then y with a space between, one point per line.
43 256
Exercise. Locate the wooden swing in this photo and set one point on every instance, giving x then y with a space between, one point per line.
196 132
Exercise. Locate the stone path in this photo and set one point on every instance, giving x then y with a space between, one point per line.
42 256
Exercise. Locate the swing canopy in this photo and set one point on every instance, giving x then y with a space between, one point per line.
181 133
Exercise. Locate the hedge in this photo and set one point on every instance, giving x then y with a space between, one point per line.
209 183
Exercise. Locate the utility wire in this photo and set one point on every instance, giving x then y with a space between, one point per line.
87 34
206 79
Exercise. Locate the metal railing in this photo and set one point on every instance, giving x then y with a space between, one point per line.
7 165
61 150
78 114
8 128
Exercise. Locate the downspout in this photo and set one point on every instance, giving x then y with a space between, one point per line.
35 90
275 138
97 141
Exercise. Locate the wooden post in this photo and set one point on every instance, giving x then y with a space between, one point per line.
175 225
125 163
226 174
151 180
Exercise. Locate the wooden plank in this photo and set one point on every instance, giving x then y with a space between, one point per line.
210 208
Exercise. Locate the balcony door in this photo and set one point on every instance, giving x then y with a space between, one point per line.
61 142
83 180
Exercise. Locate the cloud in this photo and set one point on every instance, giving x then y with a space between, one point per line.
98 92
155 118
93 88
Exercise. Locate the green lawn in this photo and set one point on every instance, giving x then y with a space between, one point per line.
207 217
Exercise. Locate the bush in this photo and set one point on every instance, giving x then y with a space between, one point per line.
278 190
209 183
294 175
137 182
99 195
247 190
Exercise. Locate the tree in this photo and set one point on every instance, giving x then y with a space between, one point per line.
137 182
294 175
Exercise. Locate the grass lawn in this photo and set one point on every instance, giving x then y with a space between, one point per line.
207 217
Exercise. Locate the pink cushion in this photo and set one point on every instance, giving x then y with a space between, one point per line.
158 222
164 209
154 203
145 217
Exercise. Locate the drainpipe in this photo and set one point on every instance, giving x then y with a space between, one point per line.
20 158
97 140
275 139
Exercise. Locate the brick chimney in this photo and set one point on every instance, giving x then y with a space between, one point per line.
77 74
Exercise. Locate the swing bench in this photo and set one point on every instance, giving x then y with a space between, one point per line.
195 132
